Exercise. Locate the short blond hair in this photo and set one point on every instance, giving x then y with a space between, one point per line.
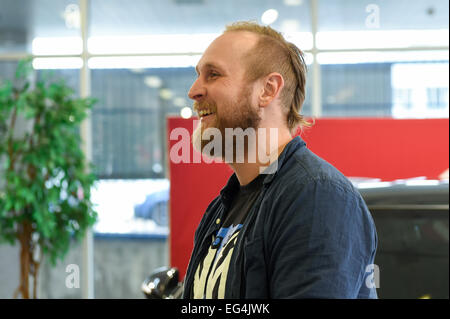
273 53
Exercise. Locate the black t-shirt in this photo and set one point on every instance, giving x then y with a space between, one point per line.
211 274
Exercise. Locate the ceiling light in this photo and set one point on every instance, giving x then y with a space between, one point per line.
269 16
303 40
165 94
377 56
186 112
57 63
293 2
56 45
151 44
157 168
376 39
138 70
290 25
136 62
179 101
153 81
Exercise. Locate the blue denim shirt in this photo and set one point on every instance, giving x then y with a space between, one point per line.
308 235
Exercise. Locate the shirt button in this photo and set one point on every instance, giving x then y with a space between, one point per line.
218 221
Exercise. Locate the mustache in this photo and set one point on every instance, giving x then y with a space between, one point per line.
197 106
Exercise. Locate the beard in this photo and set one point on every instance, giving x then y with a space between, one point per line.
238 114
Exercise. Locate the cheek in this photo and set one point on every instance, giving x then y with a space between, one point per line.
233 107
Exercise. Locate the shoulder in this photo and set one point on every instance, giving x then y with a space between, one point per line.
308 192
304 171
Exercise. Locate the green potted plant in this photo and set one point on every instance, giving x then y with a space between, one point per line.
45 181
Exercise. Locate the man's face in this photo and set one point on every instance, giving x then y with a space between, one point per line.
221 89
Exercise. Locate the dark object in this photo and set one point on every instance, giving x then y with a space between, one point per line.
413 238
163 284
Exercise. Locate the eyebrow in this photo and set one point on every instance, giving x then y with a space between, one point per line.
209 66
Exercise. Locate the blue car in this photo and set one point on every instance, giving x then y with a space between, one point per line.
154 207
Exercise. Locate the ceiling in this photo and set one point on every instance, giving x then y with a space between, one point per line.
22 20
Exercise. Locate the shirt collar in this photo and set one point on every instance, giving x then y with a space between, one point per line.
287 152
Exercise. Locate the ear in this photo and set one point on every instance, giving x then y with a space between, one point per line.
271 88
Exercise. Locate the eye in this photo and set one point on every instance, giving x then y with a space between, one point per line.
213 74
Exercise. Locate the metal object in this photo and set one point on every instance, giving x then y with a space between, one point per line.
163 284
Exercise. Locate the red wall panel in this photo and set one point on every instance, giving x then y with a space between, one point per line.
383 148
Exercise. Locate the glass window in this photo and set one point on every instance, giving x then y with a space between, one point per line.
188 25
346 15
116 17
427 86
129 120
7 70
412 250
70 77
132 206
385 84
356 89
25 26
349 24
437 97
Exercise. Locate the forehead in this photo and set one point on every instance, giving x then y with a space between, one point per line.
227 51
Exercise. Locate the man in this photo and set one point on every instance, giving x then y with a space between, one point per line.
293 227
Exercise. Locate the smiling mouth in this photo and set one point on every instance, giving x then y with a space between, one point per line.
205 113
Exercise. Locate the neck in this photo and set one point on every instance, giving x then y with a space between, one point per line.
264 151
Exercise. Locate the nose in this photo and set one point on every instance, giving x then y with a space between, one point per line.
197 91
